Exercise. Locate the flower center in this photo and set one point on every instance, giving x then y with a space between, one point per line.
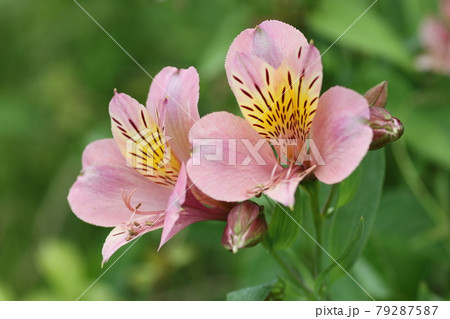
281 106
146 149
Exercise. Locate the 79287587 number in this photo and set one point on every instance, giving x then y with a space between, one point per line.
406 310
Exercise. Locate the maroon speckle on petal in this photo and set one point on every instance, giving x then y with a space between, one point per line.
117 122
258 108
314 81
237 79
262 95
143 118
246 107
289 79
299 52
246 93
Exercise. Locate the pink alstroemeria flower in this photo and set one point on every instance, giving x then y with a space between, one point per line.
276 76
435 38
137 181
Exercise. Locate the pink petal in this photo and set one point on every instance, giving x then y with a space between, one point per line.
141 141
184 209
229 178
175 93
435 37
96 196
174 206
272 41
341 134
284 191
121 235
264 89
102 152
129 120
219 207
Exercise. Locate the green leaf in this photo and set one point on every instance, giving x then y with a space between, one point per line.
371 34
282 229
256 293
425 294
396 206
372 279
369 178
342 259
348 188
369 277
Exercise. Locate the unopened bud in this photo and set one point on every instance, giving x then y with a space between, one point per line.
246 226
377 96
386 129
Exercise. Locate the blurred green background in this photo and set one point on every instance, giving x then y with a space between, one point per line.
58 71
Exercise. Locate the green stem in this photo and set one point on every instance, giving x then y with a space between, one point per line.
313 191
294 276
314 201
413 179
415 183
329 200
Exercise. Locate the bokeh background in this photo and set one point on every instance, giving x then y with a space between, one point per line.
58 71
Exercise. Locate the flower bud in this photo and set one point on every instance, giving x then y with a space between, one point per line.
386 129
377 96
246 226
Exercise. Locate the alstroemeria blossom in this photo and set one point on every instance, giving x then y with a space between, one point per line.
137 181
276 76
435 38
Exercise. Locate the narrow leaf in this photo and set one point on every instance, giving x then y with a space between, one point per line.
368 182
348 188
342 259
283 230
256 293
